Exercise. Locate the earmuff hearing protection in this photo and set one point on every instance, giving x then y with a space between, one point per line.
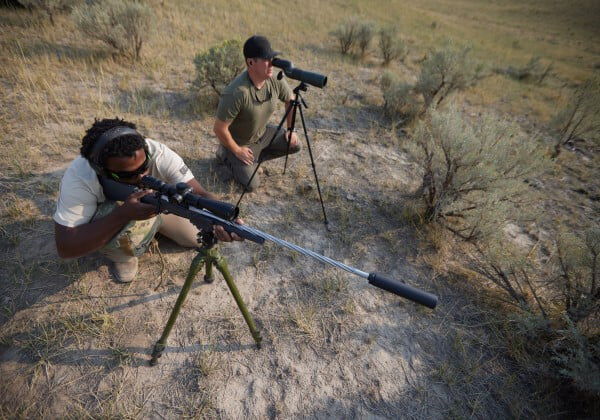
106 137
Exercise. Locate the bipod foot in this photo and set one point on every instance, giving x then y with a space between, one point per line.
208 279
156 353
257 339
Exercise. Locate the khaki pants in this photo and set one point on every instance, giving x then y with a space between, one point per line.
133 240
262 152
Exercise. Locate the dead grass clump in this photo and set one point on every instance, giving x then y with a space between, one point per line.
50 7
122 24
219 65
581 118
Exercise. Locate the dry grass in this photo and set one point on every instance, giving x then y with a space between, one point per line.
75 345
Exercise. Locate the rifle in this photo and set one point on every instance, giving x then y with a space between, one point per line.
204 213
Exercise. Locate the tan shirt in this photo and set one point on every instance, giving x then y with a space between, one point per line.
81 192
250 108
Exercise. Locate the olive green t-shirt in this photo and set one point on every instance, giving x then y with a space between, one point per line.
249 108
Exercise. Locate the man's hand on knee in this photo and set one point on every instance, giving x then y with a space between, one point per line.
245 154
293 139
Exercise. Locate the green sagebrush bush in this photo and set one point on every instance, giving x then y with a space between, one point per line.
364 36
445 71
581 118
574 270
217 66
557 300
473 174
442 73
390 45
122 24
578 358
533 71
346 34
51 7
399 101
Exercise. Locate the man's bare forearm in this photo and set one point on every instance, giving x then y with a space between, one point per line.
72 242
226 139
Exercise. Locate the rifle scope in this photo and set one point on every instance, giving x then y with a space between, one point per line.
181 193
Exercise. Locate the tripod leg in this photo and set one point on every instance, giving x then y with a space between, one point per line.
222 267
289 139
312 161
161 344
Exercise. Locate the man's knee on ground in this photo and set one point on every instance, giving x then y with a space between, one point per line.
253 186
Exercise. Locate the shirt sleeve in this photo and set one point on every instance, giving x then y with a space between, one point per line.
171 167
285 92
76 202
229 106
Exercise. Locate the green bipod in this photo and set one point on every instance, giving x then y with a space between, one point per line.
208 256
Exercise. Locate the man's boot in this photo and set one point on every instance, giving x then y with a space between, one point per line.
124 271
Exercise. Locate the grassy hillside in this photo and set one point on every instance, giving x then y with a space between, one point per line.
74 344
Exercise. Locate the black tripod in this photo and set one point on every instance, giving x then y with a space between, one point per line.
208 256
295 104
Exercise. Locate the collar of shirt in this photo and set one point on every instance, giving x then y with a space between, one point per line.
263 94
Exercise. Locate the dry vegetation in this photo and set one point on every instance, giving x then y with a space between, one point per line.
74 344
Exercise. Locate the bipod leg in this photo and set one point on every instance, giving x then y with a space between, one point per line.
208 273
312 161
161 344
222 267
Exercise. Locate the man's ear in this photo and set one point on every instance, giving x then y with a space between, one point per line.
249 62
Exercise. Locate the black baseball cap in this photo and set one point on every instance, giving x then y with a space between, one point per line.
258 46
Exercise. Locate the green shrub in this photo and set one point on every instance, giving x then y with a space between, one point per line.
578 359
50 7
574 270
445 71
219 65
581 118
122 24
533 71
391 46
562 294
346 34
400 103
364 36
473 175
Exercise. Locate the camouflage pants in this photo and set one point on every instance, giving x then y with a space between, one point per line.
131 241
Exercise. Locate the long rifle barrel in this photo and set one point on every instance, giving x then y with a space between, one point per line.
390 285
205 219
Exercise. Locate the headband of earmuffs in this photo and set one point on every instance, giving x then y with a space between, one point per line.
105 138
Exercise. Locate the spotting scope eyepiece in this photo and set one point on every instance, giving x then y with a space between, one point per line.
314 79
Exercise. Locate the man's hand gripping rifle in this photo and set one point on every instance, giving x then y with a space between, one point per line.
205 214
